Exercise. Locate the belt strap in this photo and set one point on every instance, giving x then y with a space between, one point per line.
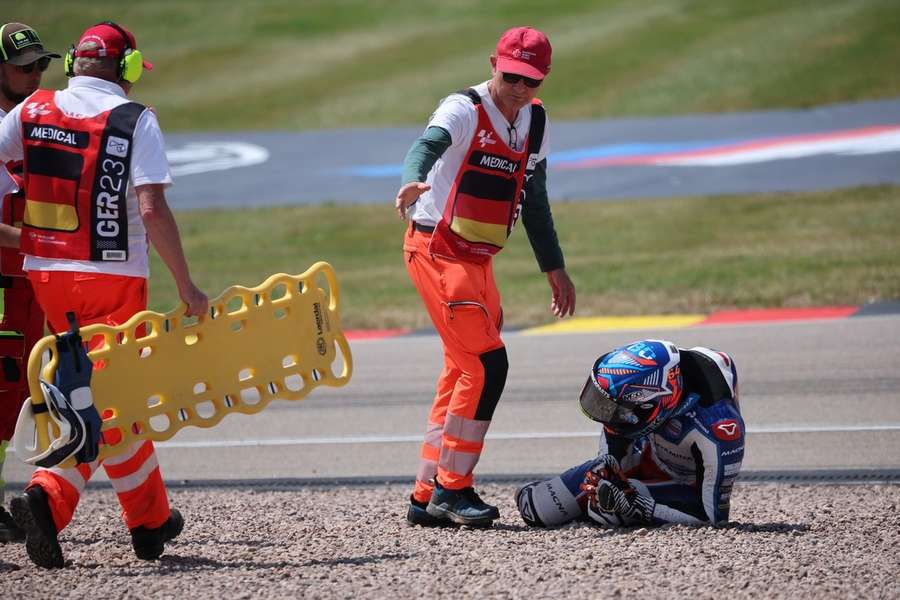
423 228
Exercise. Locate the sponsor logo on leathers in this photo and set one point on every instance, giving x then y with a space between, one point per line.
727 430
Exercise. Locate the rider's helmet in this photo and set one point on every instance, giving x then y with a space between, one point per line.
634 389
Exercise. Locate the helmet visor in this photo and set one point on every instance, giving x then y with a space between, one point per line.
599 406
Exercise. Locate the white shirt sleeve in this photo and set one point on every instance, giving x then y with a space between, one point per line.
148 158
457 115
11 135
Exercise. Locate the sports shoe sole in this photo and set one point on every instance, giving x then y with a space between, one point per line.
419 516
43 551
441 511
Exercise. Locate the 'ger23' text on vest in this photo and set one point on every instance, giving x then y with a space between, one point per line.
76 177
482 207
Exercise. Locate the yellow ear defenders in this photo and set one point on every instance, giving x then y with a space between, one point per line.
130 67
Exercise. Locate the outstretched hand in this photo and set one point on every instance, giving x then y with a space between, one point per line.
563 302
407 196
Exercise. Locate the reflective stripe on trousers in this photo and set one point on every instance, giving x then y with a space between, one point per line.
464 305
134 475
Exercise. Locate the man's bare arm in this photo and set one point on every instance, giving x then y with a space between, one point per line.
163 232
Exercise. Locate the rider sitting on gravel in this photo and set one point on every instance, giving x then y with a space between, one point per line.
672 444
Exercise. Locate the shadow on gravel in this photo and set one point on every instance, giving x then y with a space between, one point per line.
765 527
169 564
250 543
361 560
6 567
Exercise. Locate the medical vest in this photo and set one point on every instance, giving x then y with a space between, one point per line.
483 203
76 174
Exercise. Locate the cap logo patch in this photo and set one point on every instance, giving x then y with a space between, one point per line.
25 37
523 54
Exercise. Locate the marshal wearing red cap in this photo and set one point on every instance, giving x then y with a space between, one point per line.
111 40
481 162
95 173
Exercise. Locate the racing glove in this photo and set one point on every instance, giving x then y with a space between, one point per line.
612 501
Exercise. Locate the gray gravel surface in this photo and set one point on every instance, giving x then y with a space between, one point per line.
797 541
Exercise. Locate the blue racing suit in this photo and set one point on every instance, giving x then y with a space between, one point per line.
683 471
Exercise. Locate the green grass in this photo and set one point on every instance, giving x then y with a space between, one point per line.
626 258
282 64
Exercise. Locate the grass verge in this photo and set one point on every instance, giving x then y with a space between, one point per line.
282 64
627 258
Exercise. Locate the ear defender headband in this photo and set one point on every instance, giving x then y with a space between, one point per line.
130 67
2 49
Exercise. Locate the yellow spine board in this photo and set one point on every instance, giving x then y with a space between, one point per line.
158 373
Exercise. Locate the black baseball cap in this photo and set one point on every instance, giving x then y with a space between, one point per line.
21 45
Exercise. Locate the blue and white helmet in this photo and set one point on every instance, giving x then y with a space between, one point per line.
635 388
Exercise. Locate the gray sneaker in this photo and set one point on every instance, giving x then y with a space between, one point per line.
463 507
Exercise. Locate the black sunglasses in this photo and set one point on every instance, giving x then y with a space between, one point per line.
41 64
513 78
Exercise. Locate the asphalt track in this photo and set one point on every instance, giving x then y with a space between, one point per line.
817 396
819 148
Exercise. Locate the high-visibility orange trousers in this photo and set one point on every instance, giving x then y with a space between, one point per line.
22 326
134 474
464 304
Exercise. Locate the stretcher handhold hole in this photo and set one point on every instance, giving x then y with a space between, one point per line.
289 361
154 400
113 435
281 313
316 375
245 375
250 396
199 388
145 352
229 401
183 415
234 305
293 383
279 291
205 409
272 387
143 330
237 326
191 339
159 423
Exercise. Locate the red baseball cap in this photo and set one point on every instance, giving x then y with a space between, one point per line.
524 51
112 41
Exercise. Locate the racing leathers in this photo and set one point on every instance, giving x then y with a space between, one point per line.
681 472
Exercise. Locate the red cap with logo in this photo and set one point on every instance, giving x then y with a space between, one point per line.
112 40
524 51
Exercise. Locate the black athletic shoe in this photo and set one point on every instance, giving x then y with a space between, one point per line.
418 515
463 507
9 530
32 513
149 543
